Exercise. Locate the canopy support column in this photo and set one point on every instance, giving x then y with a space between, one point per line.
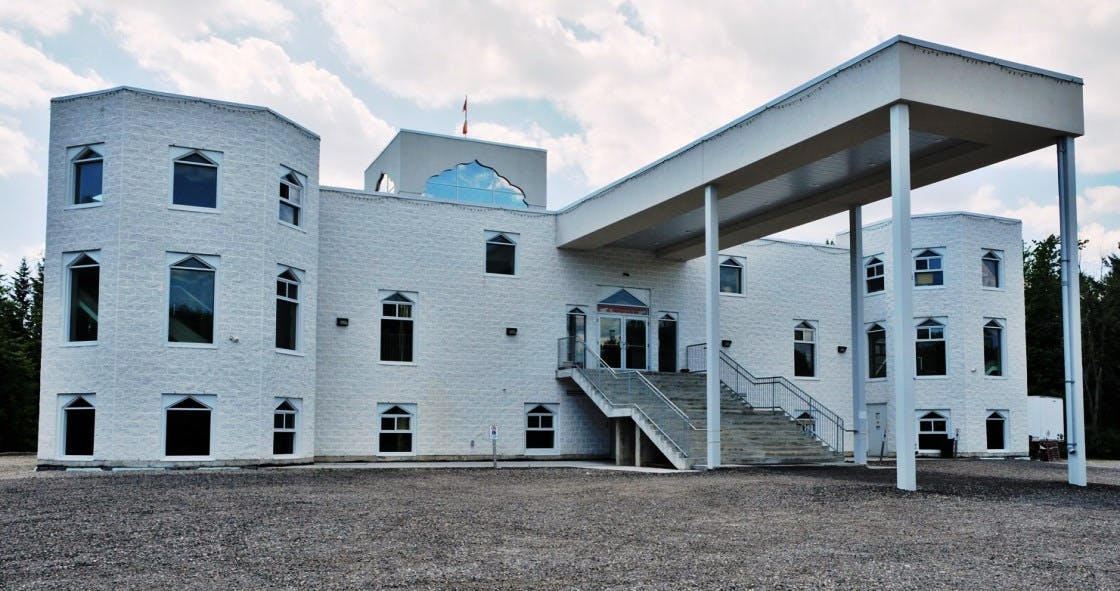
711 261
859 405
902 333
1071 312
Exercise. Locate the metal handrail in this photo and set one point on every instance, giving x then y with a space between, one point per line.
696 360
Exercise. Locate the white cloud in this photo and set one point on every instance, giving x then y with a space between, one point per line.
258 71
30 78
15 152
1103 199
48 18
9 261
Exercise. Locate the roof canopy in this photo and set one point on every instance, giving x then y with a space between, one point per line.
824 147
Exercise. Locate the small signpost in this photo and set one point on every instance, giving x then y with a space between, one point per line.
494 444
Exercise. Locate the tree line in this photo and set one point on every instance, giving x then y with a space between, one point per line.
21 329
21 321
1100 340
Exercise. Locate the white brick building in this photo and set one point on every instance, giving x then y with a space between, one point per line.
207 302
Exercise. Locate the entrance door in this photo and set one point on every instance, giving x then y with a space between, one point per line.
876 428
667 343
623 341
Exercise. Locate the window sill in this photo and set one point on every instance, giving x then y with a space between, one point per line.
942 377
84 205
194 208
506 275
928 287
877 380
807 378
187 459
292 226
290 352
192 345
733 294
395 454
875 293
81 343
535 451
76 458
998 378
398 363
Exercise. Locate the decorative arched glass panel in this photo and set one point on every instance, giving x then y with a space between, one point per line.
473 182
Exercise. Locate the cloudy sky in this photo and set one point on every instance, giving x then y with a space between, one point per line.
604 86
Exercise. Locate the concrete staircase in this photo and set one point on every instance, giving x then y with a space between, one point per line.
747 436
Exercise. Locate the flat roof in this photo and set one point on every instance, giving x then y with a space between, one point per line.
825 146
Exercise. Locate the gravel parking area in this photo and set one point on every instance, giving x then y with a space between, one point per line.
973 525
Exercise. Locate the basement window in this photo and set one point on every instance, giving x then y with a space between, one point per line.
540 428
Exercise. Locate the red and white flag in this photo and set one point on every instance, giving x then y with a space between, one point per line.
464 115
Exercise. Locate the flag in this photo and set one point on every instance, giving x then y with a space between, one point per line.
464 128
464 114
464 104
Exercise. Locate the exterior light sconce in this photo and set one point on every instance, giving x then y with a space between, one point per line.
511 331
726 343
343 322
841 349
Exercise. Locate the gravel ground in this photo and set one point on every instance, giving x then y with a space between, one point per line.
973 525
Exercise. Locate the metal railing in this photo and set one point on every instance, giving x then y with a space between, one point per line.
775 393
631 389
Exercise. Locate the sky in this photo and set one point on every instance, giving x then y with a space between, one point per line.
605 86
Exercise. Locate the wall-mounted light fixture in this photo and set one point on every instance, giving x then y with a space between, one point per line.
841 349
343 322
726 343
511 331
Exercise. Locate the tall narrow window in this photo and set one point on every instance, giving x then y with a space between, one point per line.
540 428
876 281
397 429
804 350
87 179
191 302
501 253
989 269
996 427
284 429
78 426
188 428
576 347
291 199
195 181
876 352
933 430
397 328
927 269
993 348
287 310
929 348
730 276
85 275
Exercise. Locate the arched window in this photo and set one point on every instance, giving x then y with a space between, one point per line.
876 281
540 428
87 170
933 430
876 352
473 182
84 277
396 430
397 327
284 429
730 276
188 428
79 418
804 350
996 428
191 301
929 348
993 348
927 269
990 269
287 310
291 198
195 182
501 253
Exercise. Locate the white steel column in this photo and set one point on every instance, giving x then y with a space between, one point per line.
902 329
859 343
711 297
1071 312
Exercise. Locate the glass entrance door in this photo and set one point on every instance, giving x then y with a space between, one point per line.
623 341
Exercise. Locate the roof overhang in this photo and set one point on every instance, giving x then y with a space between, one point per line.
824 147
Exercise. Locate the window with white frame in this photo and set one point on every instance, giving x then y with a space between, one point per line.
993 348
190 307
804 349
291 198
287 310
990 266
933 429
187 426
996 430
929 348
501 253
385 184
730 275
928 270
397 428
398 326
540 427
83 276
876 352
87 171
195 178
875 276
78 421
284 428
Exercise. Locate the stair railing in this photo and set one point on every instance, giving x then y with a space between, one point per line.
775 393
633 390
